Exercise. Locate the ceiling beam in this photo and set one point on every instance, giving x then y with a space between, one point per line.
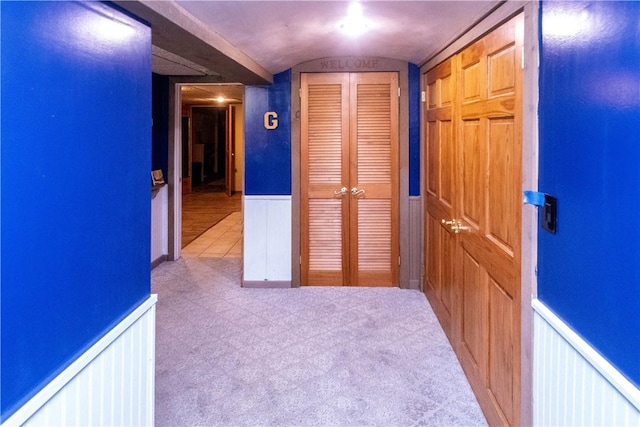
175 30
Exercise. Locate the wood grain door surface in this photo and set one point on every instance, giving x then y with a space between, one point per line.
230 152
349 179
440 187
473 220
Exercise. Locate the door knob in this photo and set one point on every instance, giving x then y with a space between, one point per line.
356 192
341 192
456 225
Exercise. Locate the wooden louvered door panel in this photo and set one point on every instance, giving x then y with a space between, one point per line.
374 165
324 171
349 140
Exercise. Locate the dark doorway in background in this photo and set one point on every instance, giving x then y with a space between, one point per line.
208 138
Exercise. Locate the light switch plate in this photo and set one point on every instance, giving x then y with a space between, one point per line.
549 216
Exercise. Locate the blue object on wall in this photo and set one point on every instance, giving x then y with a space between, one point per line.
75 184
414 130
268 151
588 273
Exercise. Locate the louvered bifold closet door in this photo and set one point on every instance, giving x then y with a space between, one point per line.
324 172
374 179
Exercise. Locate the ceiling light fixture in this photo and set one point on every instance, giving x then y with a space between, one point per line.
220 99
354 24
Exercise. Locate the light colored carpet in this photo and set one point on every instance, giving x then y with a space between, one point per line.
336 356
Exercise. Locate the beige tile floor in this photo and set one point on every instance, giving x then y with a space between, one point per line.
223 240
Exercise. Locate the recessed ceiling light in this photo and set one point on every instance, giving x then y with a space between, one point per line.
354 23
220 99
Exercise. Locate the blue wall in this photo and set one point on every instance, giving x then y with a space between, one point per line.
75 184
414 130
160 129
268 152
589 272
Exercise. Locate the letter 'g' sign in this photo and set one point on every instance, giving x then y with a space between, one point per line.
270 120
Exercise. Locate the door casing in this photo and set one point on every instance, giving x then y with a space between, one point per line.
409 207
174 179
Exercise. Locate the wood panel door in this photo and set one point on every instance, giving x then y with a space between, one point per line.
484 220
349 179
440 186
490 200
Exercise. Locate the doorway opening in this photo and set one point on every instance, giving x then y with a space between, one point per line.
211 168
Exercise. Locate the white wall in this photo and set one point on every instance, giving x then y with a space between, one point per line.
159 225
111 384
572 384
267 241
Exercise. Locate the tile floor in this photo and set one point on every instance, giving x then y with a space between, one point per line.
223 240
203 208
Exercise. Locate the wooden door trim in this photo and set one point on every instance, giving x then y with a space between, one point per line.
230 135
494 18
529 213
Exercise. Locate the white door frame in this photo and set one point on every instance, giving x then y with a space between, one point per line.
175 162
174 170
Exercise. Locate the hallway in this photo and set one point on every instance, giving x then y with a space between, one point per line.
223 240
204 207
227 355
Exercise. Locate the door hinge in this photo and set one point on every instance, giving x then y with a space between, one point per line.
300 92
399 260
398 92
522 58
424 96
300 260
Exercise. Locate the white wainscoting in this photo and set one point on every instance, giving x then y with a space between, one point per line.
159 226
267 241
573 385
111 384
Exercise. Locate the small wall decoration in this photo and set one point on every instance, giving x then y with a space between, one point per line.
270 120
156 177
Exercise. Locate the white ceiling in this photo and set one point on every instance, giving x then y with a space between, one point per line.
249 41
280 34
207 94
